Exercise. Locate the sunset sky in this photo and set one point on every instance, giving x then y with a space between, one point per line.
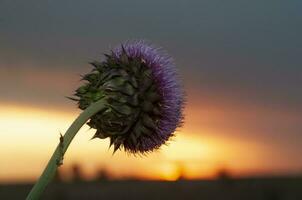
240 62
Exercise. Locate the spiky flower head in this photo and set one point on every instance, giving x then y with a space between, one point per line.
143 94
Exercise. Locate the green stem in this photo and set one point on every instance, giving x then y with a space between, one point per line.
57 157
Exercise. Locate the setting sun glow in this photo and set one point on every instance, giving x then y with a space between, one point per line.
34 133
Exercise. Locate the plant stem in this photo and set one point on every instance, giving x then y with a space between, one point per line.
57 157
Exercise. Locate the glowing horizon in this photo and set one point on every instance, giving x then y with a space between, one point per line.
29 135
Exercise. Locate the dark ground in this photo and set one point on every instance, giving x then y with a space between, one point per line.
225 189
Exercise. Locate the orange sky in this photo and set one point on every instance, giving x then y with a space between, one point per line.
29 135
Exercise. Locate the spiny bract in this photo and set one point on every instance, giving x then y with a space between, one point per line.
144 98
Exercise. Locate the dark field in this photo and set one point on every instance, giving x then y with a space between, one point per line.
226 189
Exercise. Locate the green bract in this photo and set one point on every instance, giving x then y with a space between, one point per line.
132 100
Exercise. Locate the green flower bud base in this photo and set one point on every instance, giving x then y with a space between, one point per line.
133 102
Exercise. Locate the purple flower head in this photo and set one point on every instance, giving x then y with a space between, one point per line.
168 85
145 97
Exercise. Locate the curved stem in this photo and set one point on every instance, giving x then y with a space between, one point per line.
57 157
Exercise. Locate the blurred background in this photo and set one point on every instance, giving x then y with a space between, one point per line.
241 66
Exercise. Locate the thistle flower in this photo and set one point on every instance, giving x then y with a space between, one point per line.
144 98
133 97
